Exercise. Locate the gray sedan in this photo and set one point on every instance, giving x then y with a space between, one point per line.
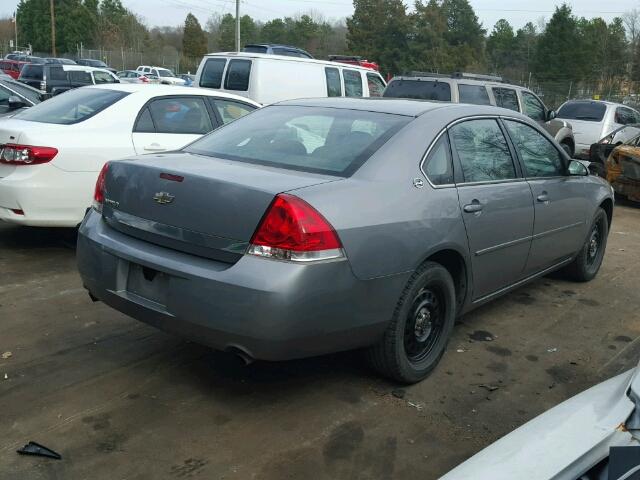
315 226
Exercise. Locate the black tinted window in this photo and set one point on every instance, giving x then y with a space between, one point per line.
533 107
325 140
506 98
73 106
419 89
588 111
333 82
212 73
439 169
79 77
144 123
483 151
474 94
540 157
255 49
32 72
56 73
352 83
180 115
238 75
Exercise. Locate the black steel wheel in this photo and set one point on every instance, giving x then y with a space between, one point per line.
589 259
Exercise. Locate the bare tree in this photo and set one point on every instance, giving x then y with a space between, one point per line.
631 21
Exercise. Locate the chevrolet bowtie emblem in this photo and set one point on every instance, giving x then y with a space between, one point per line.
163 198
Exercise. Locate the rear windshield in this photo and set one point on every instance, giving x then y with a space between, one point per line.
588 111
32 71
419 89
312 139
163 72
254 49
73 106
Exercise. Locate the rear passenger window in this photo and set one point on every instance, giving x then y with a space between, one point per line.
624 116
238 75
185 115
376 85
438 167
57 73
144 123
540 157
474 94
334 88
103 77
352 83
483 151
230 110
506 98
212 73
80 77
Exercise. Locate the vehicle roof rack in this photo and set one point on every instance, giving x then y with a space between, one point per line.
354 58
477 76
415 73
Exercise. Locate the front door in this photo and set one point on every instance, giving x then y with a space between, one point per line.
496 204
560 202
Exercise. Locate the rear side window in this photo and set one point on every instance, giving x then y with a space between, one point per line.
237 77
533 108
212 73
334 88
376 85
313 139
32 71
438 167
103 77
230 110
506 98
57 73
144 124
182 115
72 107
586 111
419 89
540 157
82 78
474 94
352 83
624 116
483 151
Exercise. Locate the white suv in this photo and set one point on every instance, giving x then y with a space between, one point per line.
165 76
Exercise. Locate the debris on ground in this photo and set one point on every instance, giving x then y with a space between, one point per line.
398 393
33 448
552 350
417 406
6 377
461 350
491 388
6 355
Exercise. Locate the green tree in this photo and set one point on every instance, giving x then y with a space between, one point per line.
556 58
501 46
274 31
194 40
464 34
525 48
428 47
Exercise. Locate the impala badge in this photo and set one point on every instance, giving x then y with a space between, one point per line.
163 198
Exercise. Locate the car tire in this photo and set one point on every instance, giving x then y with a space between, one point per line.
567 148
589 259
420 328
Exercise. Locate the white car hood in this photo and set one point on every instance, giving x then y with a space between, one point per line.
564 442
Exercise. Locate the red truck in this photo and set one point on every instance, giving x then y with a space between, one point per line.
12 67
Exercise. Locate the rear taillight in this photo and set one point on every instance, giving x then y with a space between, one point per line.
293 230
13 154
98 194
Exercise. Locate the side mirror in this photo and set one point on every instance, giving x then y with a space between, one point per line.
578 169
551 114
16 102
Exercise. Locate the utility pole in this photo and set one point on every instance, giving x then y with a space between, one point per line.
15 26
237 25
53 29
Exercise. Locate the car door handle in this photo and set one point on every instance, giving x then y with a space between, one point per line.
154 147
543 197
473 207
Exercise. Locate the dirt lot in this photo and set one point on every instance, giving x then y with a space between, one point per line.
120 400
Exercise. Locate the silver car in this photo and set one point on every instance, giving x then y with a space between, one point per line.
593 120
315 226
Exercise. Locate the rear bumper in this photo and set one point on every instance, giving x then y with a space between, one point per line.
270 310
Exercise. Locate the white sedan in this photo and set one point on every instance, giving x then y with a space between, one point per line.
51 154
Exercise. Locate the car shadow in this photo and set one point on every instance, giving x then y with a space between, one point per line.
19 238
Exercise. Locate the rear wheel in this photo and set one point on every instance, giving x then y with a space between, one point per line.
419 331
588 261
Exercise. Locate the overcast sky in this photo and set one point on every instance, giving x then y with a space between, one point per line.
518 12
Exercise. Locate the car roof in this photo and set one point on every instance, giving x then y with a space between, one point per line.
82 68
154 90
464 81
401 106
268 56
603 102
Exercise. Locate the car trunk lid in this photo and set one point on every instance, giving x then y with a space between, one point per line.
196 204
586 132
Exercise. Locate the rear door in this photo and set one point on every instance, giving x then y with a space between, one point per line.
171 122
496 202
560 201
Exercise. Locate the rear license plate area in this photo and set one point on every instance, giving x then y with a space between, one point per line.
148 283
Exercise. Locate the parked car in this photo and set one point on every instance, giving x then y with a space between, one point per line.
623 169
61 61
29 59
320 225
188 79
12 67
354 60
591 436
54 78
89 62
16 96
50 155
595 119
599 152
276 49
131 76
272 78
165 76
482 90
